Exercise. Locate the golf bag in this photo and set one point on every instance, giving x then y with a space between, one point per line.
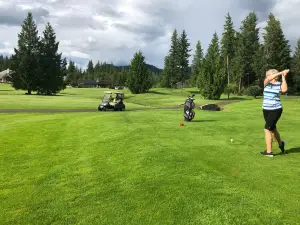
189 105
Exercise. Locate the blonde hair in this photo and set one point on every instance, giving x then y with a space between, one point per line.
272 71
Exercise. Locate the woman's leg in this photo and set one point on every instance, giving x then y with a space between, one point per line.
271 121
277 136
268 136
268 133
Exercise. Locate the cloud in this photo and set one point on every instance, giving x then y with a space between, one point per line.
147 32
113 30
6 48
14 15
261 7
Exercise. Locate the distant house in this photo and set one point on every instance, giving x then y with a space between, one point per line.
87 83
5 75
105 84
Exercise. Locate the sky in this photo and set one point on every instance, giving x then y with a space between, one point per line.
113 30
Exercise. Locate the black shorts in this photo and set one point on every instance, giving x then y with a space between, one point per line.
271 118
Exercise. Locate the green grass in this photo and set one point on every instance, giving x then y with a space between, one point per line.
90 98
143 168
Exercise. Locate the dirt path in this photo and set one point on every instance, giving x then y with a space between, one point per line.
221 104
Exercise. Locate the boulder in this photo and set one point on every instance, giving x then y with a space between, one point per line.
210 107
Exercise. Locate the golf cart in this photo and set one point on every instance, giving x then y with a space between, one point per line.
110 103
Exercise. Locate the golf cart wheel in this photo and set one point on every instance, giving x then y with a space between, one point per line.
99 109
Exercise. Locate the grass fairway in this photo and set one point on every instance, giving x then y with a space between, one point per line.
143 168
90 98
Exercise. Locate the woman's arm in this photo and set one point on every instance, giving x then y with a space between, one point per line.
284 86
271 77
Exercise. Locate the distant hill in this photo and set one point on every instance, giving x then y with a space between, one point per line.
152 68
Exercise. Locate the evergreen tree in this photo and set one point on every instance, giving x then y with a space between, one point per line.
196 64
183 57
63 74
260 66
295 68
276 47
171 69
71 73
5 63
51 63
25 60
212 78
228 44
166 74
139 79
249 48
97 72
90 70
236 70
123 77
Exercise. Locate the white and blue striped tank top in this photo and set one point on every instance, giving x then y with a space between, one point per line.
272 96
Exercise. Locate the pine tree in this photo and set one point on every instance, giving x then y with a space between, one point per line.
228 44
5 63
276 47
139 79
295 68
52 65
212 78
166 74
25 60
63 73
249 48
183 57
260 66
196 64
236 69
90 70
97 71
171 68
71 73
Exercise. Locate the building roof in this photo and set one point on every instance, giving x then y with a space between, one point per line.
87 82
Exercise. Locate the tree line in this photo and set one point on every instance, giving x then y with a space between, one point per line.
5 62
38 67
105 73
235 62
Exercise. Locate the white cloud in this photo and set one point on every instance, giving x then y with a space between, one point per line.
113 30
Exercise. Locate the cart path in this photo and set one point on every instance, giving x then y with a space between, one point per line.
223 103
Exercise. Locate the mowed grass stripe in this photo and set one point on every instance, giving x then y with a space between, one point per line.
143 168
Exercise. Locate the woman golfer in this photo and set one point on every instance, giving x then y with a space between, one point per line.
272 108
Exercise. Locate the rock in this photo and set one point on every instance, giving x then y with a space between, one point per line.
211 107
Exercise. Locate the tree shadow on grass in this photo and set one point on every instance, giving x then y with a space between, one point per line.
234 98
202 121
158 93
290 151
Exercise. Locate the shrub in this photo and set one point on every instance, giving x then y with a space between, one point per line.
231 89
254 91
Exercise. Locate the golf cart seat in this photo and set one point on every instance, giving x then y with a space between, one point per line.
106 98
